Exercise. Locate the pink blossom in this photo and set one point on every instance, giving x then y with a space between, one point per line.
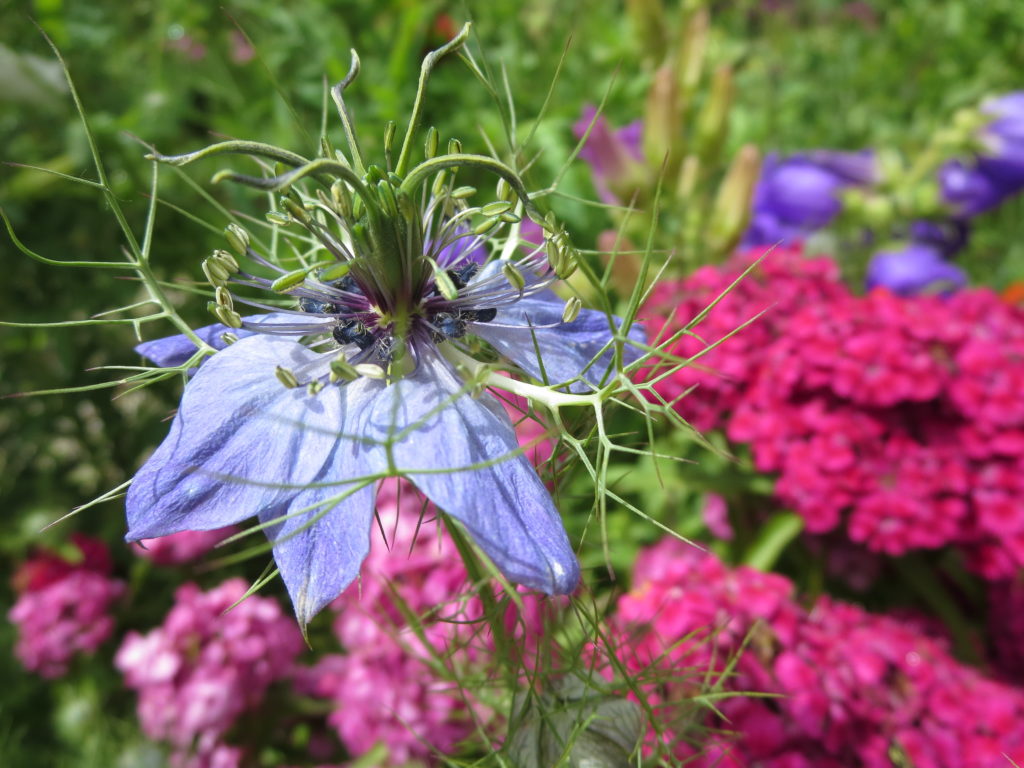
898 421
64 606
179 548
199 671
850 686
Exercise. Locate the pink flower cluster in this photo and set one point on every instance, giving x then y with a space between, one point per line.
180 548
388 686
63 606
851 688
205 665
901 419
383 685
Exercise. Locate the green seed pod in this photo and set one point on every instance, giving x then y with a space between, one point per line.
238 238
286 377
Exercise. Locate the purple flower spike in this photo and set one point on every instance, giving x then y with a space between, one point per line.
612 154
370 374
916 268
800 194
1004 137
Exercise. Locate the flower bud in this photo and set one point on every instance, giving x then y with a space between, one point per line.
731 211
713 124
662 134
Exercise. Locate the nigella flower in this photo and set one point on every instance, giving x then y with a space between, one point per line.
373 367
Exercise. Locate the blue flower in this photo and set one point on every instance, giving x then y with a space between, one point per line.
914 268
374 369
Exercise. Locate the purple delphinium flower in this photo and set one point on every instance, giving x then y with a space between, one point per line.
372 372
912 269
997 172
799 194
611 153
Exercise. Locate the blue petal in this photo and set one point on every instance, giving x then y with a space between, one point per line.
241 443
437 432
565 349
321 540
171 351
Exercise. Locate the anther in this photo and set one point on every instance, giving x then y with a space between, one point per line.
238 238
286 377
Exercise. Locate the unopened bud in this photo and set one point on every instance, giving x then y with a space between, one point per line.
238 238
228 338
461 193
286 377
279 218
648 18
454 147
389 136
510 218
713 124
313 387
731 211
572 309
342 199
662 133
